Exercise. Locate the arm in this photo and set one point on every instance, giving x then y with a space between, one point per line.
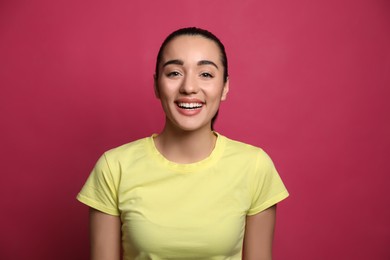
259 231
105 235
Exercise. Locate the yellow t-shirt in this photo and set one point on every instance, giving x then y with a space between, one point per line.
183 211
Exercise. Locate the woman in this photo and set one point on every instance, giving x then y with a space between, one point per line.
188 192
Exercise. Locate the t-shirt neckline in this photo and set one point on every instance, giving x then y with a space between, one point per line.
188 167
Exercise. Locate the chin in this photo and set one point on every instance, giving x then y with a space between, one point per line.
192 127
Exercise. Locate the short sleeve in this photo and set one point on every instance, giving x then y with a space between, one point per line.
100 189
267 188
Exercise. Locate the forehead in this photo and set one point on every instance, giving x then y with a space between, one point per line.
191 47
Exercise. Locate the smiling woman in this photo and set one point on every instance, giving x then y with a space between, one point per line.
190 81
187 192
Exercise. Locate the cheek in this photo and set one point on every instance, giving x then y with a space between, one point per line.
167 88
218 91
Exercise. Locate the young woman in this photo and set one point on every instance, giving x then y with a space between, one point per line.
188 192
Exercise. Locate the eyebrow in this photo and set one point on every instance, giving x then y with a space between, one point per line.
180 62
176 62
207 62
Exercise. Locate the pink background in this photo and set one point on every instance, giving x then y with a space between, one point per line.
309 83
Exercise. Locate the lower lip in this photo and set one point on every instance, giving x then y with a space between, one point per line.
189 112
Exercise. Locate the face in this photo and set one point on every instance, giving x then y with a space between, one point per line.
190 83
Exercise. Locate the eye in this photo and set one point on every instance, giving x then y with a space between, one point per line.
206 75
173 74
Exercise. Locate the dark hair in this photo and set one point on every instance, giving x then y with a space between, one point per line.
194 31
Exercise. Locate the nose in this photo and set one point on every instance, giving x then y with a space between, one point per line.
189 85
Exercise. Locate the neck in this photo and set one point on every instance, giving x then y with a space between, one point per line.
182 146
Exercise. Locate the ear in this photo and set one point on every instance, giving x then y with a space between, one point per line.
156 91
225 90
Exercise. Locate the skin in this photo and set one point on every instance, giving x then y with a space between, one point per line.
259 232
105 236
190 70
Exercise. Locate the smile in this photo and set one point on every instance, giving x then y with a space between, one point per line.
189 105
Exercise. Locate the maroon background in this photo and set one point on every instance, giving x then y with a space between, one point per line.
309 83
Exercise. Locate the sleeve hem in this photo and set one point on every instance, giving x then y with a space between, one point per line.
281 196
93 204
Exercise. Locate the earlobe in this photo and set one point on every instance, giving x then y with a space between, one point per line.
225 90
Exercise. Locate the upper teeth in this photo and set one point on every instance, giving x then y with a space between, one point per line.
190 105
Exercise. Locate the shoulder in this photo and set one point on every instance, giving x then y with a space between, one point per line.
246 154
238 148
133 150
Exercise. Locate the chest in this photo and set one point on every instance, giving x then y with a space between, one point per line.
168 214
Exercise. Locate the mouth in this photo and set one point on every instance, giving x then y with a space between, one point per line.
189 106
